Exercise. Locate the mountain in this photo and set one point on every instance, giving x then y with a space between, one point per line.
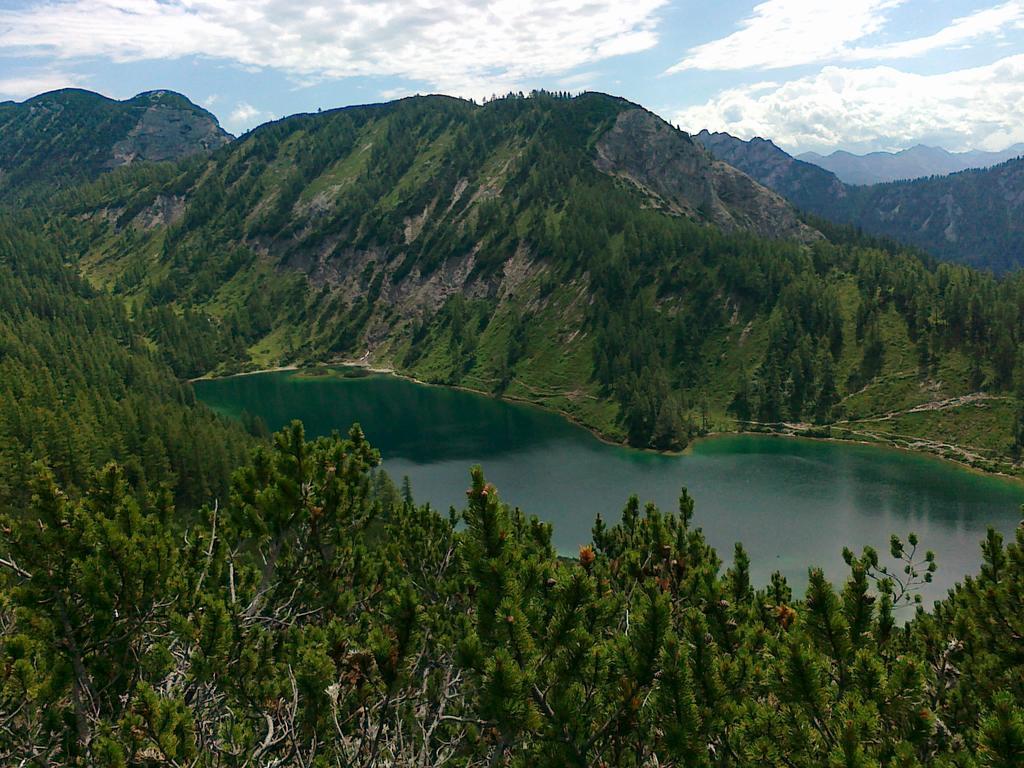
73 135
916 162
807 186
671 167
579 253
974 217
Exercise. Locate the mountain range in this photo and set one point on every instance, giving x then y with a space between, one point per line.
915 162
65 137
579 253
975 217
808 186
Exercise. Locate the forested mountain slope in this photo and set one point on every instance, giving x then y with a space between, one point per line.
579 253
72 135
81 385
974 217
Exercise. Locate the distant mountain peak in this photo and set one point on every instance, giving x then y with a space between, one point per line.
917 161
803 184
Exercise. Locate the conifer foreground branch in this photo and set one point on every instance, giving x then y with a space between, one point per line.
318 616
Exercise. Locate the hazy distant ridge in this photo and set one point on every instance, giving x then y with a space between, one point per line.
914 163
973 216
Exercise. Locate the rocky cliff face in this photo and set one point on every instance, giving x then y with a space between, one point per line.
807 186
678 173
167 129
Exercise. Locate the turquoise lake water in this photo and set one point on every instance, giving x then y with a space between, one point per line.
792 503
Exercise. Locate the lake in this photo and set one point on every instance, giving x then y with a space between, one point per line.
792 502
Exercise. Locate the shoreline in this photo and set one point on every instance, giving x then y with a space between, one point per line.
687 450
598 434
876 444
277 369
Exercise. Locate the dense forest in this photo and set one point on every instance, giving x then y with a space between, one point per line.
177 589
81 384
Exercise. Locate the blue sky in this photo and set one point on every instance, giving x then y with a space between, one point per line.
810 74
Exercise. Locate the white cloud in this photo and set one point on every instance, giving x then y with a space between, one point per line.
960 31
23 86
875 108
786 33
210 100
243 113
579 81
466 47
401 92
245 116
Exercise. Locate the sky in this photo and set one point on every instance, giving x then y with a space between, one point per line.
860 75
